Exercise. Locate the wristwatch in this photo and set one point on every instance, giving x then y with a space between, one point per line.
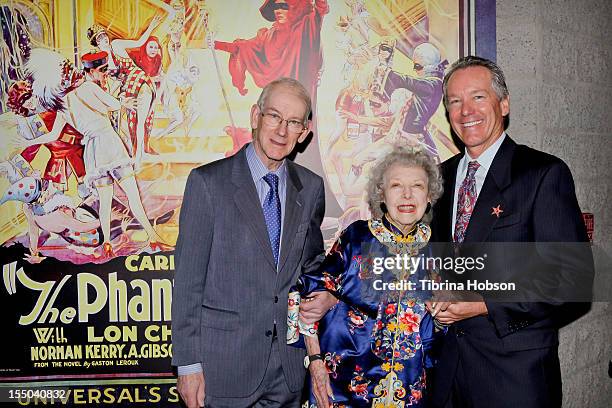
309 359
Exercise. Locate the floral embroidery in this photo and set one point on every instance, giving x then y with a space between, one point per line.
359 384
356 320
395 335
332 361
295 326
409 321
364 264
416 390
331 283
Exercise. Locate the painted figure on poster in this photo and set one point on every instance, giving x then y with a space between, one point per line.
180 103
363 97
148 57
387 122
86 108
354 38
177 22
134 83
384 126
289 48
426 88
363 117
66 152
381 107
49 210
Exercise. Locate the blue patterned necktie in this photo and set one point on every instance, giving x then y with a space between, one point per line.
466 201
272 213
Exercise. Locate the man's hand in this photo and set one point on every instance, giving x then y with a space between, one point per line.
314 307
191 388
457 311
320 383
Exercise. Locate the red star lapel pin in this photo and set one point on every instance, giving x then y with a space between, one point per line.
497 210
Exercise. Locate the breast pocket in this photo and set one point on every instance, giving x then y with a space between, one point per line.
218 318
507 220
303 227
300 234
297 241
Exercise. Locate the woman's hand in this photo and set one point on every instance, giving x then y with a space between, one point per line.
436 307
440 301
321 387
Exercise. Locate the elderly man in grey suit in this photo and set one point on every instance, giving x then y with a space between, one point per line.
249 224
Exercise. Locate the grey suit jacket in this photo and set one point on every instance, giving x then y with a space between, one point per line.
227 292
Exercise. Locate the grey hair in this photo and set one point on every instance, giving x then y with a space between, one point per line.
295 85
498 80
408 157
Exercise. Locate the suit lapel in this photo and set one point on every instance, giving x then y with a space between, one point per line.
294 205
247 201
444 214
498 178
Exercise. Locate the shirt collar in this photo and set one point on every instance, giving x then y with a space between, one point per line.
486 158
258 169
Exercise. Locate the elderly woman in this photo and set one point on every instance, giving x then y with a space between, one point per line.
373 346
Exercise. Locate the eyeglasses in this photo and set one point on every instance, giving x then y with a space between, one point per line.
417 66
103 68
281 6
274 120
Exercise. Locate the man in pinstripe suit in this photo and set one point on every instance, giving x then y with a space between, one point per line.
249 224
501 351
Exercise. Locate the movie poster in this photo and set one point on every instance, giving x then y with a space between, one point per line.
106 106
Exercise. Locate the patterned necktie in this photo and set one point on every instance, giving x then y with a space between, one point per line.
272 213
466 201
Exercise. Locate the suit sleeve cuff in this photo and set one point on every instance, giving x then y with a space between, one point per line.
189 369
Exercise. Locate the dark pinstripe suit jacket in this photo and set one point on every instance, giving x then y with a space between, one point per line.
227 292
511 354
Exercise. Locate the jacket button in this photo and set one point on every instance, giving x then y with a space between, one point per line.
275 299
459 333
268 333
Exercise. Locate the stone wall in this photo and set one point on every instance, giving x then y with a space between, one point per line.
557 55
